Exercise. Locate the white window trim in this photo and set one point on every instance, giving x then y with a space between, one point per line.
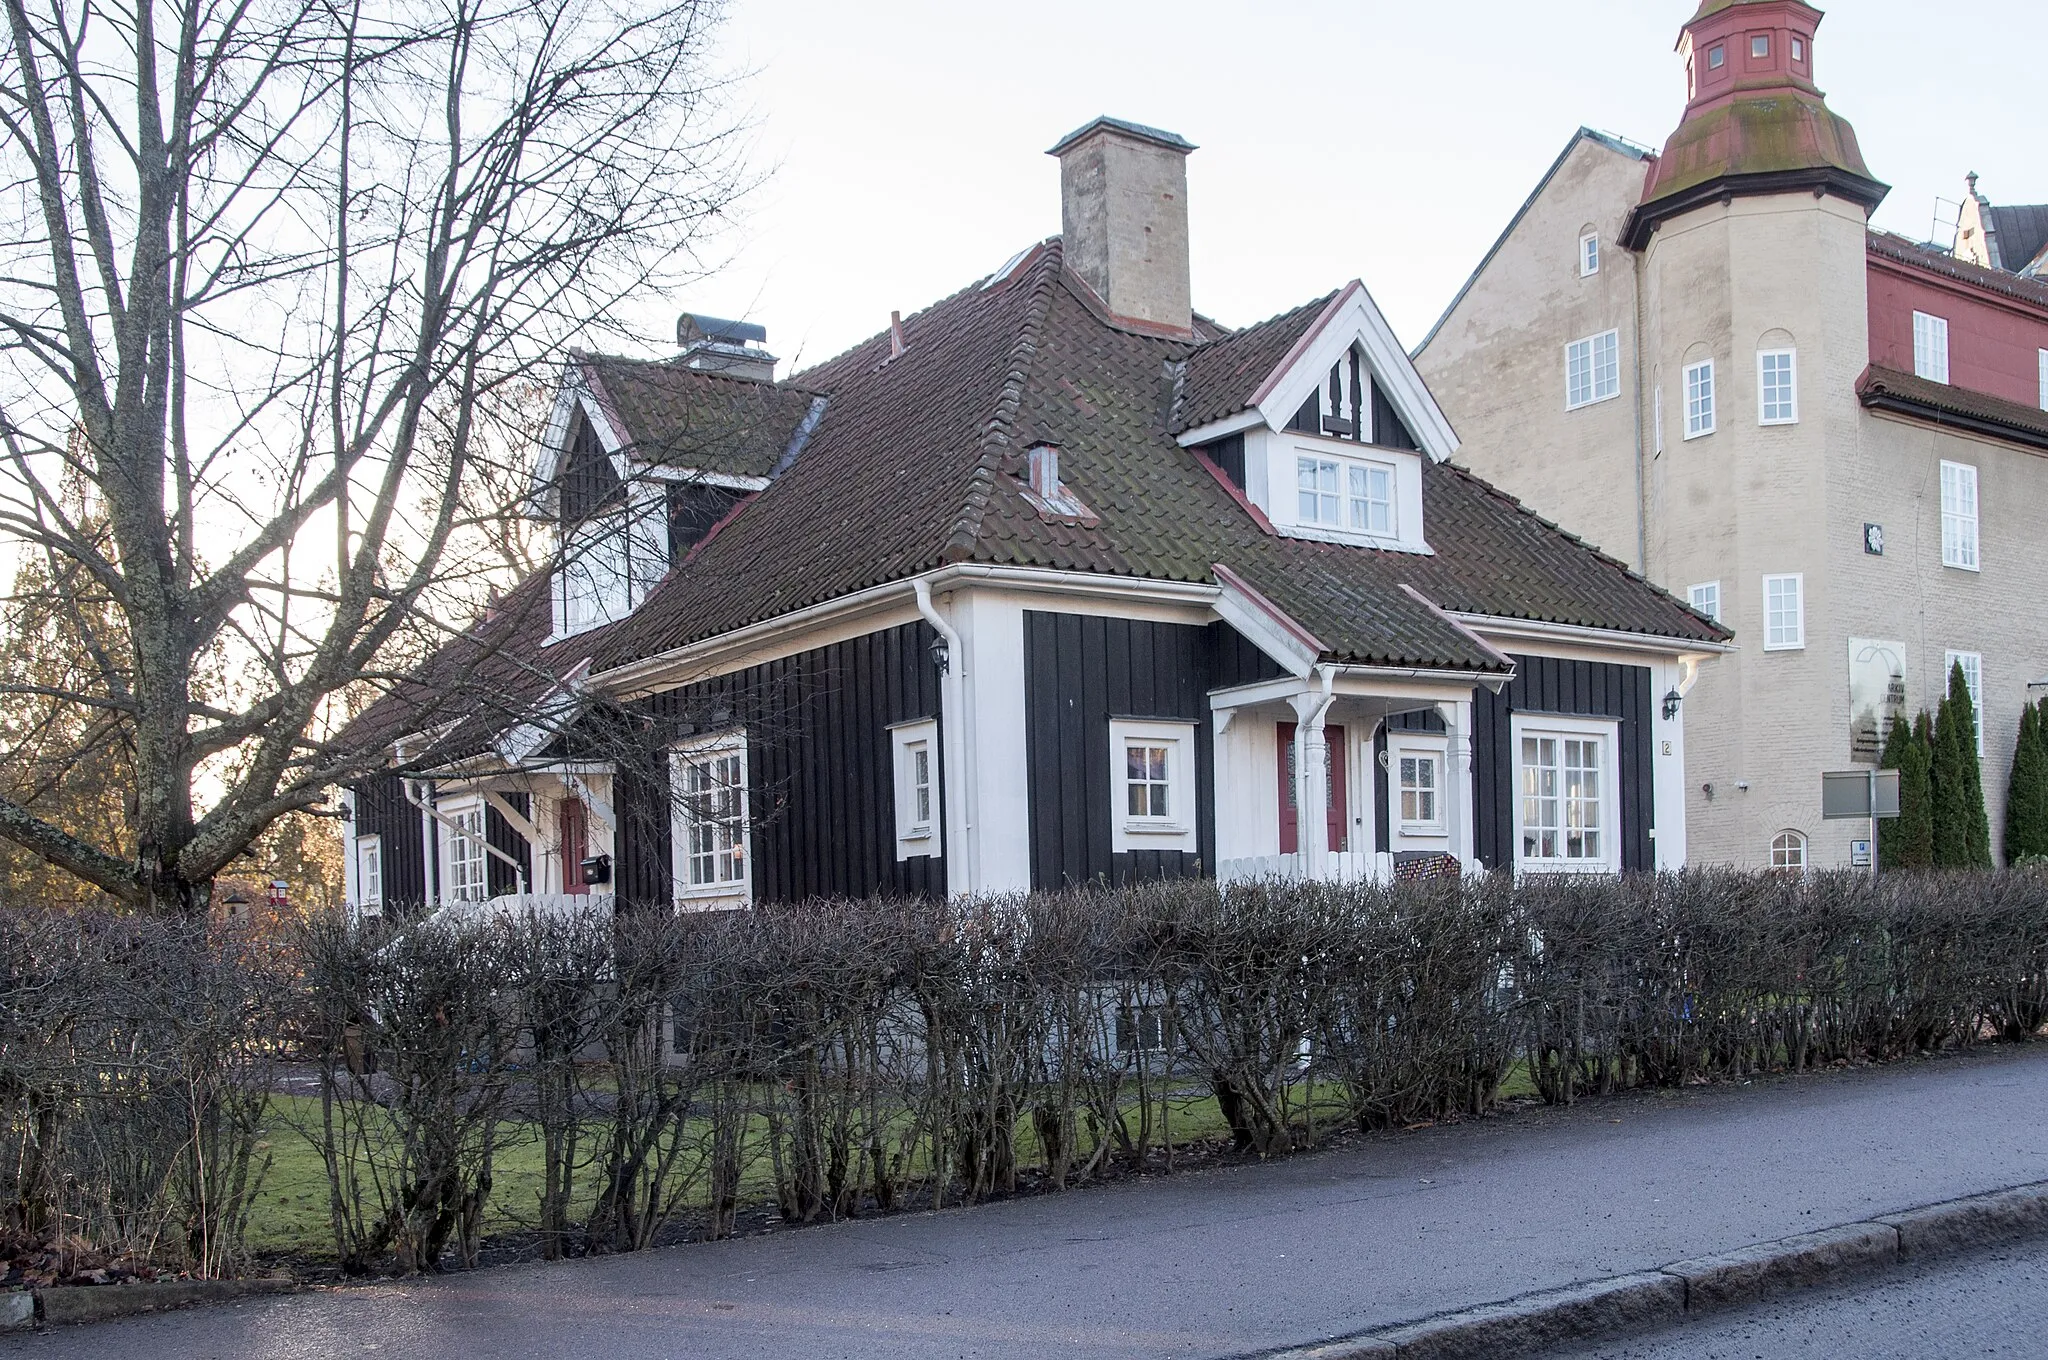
1713 400
1761 356
1609 731
1951 549
1798 579
913 837
1930 346
1409 745
454 810
1592 343
1973 677
2044 379
705 896
1801 841
1657 418
369 850
1589 255
1345 462
1176 831
1693 593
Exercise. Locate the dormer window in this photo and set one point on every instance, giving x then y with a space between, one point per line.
1345 495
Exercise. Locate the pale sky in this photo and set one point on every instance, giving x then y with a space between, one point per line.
1388 140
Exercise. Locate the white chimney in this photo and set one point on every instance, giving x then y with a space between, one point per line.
1124 219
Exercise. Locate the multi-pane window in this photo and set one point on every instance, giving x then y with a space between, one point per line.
1148 790
2044 379
1564 816
1589 254
1930 347
1788 852
1336 494
1959 516
1699 399
1784 613
1421 781
369 872
1973 680
1592 369
711 818
466 879
1706 597
916 748
1777 387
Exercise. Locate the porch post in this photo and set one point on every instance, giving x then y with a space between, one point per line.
1312 775
1459 812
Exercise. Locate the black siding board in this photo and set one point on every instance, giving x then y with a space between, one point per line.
1382 824
1235 660
382 811
1554 685
1228 453
500 877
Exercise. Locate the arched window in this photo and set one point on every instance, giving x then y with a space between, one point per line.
1788 852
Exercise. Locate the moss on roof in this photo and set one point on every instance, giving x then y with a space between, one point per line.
1785 130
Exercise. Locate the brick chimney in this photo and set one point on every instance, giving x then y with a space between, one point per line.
1124 219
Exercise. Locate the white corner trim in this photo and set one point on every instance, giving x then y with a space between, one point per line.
1353 316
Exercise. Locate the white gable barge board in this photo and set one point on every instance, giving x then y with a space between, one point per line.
1353 318
577 392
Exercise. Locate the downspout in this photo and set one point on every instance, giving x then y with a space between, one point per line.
1635 261
953 762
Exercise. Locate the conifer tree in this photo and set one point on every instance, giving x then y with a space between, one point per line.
1962 827
2026 804
1907 840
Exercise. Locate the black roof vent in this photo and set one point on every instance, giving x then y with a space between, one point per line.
712 344
694 328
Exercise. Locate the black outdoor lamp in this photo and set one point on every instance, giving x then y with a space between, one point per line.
941 654
1671 703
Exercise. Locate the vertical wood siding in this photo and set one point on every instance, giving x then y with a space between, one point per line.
820 771
381 810
1081 671
500 877
1545 684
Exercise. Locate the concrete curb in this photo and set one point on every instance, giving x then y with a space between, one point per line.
1538 1322
20 1308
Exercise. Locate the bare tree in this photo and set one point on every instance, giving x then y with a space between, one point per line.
272 265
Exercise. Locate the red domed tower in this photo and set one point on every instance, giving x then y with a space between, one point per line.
1755 123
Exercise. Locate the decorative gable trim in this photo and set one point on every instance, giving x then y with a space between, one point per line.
579 391
1353 318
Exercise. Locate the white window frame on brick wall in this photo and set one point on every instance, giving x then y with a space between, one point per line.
915 748
711 860
1930 347
1973 677
1589 254
1777 387
370 875
1547 802
2044 379
1788 852
1592 370
1960 544
1706 598
1785 632
1699 399
1174 828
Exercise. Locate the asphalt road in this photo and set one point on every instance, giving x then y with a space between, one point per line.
1995 1304
1217 1263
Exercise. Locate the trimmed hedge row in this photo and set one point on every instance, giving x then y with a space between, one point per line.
849 1057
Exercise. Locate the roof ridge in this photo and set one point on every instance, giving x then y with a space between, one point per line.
997 431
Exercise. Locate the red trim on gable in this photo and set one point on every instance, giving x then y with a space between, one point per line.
1307 340
1235 491
1225 576
1469 635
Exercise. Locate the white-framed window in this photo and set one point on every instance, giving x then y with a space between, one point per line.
1589 254
1567 805
1706 597
465 865
709 780
1788 852
1784 612
608 566
1930 347
1973 680
1699 399
1152 784
370 875
1419 775
918 810
1592 369
1799 49
1777 386
1142 1029
1759 46
1345 495
2044 379
1657 419
1959 516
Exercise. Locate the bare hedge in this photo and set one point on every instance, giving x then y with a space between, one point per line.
841 1057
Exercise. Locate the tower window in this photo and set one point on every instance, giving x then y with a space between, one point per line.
1717 57
1799 49
1760 46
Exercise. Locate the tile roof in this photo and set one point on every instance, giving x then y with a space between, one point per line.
1898 248
1979 412
677 416
1221 377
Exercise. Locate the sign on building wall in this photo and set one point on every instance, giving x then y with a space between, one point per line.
1877 695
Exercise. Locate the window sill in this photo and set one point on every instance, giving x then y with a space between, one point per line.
1426 831
1958 566
1697 434
1571 406
1564 866
1784 646
1155 829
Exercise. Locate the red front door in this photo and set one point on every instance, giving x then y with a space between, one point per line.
1340 802
575 845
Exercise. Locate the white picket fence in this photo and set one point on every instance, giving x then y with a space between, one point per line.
1360 866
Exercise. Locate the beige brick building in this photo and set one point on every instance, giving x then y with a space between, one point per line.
1833 440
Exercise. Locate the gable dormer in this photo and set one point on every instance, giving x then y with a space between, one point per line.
611 531
1330 443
